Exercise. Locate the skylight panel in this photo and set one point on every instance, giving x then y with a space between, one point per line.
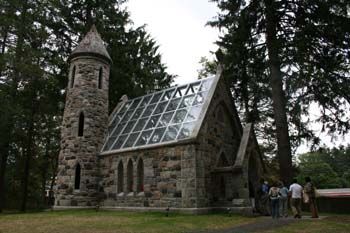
157 135
179 116
173 104
186 130
161 117
143 139
131 140
140 124
156 97
152 122
119 142
171 132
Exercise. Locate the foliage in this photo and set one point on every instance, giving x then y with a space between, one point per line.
328 168
208 68
281 56
36 38
137 68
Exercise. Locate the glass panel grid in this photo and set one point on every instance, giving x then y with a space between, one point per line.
163 116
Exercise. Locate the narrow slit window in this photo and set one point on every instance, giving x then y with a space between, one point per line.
81 125
140 175
120 187
100 78
72 77
77 177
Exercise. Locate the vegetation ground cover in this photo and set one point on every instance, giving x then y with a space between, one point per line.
339 224
89 221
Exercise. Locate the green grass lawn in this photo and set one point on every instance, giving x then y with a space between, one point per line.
331 224
89 221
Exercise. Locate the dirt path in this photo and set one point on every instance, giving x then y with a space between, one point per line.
263 224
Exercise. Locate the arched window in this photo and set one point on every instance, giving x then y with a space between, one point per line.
77 176
81 125
100 78
140 176
222 161
120 177
72 77
220 115
129 184
222 186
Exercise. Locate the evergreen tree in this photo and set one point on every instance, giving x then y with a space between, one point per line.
288 54
36 39
137 68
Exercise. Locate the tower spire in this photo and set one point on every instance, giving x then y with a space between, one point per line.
92 45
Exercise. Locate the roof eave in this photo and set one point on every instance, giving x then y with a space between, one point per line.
190 140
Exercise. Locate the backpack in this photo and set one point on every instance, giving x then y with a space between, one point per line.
274 193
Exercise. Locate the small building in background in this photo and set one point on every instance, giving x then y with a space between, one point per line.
334 200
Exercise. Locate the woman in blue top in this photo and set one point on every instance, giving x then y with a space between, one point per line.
283 201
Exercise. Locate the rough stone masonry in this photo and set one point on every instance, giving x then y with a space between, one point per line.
219 167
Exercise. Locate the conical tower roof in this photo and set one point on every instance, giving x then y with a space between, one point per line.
91 45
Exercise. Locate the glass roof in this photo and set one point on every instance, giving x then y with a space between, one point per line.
161 117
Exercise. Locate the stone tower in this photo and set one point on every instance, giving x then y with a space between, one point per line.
84 124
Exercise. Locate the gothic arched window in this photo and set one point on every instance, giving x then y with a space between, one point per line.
81 125
77 176
72 77
129 184
120 177
222 161
100 78
140 176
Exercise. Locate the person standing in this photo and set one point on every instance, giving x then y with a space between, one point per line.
310 190
274 195
264 199
283 201
296 194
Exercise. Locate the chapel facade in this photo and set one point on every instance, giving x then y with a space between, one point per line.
183 147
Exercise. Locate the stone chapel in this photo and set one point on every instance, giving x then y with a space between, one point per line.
183 147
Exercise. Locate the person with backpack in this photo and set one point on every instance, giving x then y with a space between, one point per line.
274 195
310 190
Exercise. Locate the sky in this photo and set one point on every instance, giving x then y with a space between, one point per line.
179 27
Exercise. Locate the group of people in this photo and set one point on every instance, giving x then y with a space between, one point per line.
274 199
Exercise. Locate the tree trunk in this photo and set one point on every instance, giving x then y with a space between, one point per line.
45 169
278 95
4 146
3 162
29 143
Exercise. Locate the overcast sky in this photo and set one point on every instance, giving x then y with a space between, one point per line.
179 28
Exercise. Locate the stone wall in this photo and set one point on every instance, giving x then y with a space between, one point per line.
218 140
169 178
85 97
186 176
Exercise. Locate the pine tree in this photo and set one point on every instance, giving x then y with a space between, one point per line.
137 68
36 39
299 51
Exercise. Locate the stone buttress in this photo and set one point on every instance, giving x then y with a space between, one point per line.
84 123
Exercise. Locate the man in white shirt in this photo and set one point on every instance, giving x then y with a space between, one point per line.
296 192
